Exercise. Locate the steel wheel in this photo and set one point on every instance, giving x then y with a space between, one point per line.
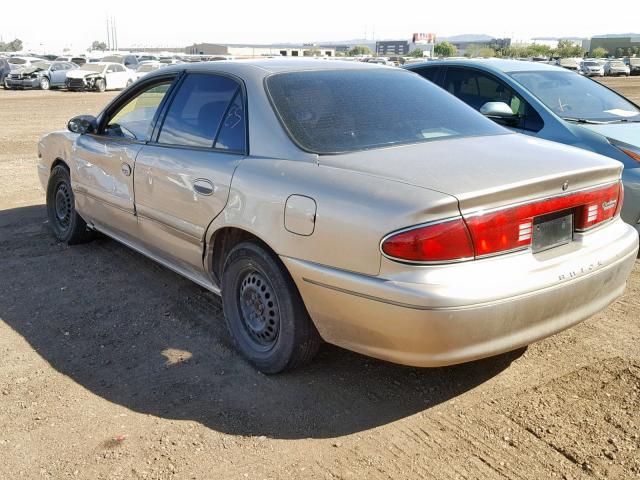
259 310
63 205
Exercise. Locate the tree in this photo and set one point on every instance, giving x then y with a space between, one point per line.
619 52
599 52
475 51
445 49
359 50
416 53
98 45
567 49
14 45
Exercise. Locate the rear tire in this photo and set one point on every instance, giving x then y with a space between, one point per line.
68 226
264 312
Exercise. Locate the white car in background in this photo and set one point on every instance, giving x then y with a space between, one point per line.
100 77
616 67
19 63
591 68
146 67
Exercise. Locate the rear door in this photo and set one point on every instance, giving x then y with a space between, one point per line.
183 176
104 161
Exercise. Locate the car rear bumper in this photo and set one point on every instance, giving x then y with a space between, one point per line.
446 322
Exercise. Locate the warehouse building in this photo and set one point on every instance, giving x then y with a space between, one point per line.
243 50
392 47
612 44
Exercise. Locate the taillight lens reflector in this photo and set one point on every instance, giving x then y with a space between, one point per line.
494 232
508 228
444 241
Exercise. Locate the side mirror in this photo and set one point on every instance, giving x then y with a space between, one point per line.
83 124
497 109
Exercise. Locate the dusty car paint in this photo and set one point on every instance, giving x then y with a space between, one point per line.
414 314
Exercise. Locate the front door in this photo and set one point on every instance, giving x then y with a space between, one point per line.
104 162
182 178
59 73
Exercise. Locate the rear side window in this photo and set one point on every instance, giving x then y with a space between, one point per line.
336 111
198 109
232 134
430 73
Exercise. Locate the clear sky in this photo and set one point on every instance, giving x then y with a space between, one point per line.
54 25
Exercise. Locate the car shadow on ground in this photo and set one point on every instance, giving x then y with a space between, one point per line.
143 337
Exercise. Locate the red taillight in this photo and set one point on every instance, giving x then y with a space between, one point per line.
493 232
438 242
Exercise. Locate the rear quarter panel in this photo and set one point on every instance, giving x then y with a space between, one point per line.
354 210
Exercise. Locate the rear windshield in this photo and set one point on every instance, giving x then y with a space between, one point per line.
336 111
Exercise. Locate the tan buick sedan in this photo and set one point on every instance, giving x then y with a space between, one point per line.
351 203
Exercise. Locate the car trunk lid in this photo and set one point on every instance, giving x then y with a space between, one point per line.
486 172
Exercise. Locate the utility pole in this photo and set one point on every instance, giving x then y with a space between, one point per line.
108 35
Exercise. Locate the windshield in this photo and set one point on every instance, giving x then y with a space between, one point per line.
146 68
93 67
17 61
590 64
572 96
335 111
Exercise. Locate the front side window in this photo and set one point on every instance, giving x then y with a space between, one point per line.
574 97
134 119
476 88
337 111
198 109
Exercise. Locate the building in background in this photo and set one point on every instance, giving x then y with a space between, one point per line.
392 47
611 43
425 42
244 50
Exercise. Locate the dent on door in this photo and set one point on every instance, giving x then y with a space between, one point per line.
178 193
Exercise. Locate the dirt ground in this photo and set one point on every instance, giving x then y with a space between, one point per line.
112 367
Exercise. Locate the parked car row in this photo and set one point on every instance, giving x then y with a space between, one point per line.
361 204
112 72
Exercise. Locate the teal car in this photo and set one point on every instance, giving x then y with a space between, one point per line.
552 103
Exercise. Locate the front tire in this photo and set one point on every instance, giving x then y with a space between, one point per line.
45 84
264 312
68 226
101 85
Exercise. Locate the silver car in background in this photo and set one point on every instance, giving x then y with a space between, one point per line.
616 68
355 203
592 68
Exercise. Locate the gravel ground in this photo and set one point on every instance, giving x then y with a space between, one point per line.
112 367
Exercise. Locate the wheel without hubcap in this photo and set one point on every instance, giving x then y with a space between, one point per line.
67 225
264 311
259 310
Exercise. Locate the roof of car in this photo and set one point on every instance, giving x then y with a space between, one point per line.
493 64
273 65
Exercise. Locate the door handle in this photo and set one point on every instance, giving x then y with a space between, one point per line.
203 186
